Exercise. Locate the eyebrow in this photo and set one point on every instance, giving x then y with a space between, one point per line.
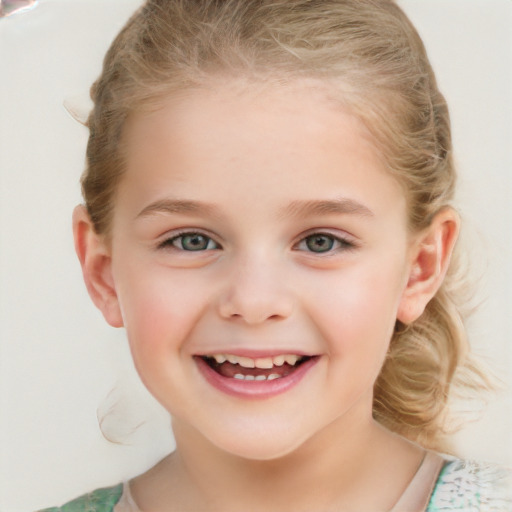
339 206
177 206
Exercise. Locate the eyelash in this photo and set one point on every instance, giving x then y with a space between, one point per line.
337 244
169 243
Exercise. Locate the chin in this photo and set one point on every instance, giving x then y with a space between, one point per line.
262 452
264 444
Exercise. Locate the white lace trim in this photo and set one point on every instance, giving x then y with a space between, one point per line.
472 487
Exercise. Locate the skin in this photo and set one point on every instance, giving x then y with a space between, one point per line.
252 161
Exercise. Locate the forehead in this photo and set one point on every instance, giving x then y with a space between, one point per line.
253 136
220 99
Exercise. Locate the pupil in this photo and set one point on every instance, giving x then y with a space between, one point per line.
195 242
319 243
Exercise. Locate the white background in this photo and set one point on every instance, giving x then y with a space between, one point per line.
61 365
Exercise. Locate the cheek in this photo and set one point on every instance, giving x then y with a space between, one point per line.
159 306
358 314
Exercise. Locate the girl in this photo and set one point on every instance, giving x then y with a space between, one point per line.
267 213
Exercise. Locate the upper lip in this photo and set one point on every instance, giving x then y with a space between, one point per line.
257 353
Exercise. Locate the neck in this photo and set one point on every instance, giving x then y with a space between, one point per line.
335 468
321 456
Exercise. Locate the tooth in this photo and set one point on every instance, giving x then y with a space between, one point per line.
265 362
232 359
239 376
260 377
278 360
291 359
250 377
273 376
246 362
220 358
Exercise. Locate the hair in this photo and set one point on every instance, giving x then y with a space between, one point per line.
368 53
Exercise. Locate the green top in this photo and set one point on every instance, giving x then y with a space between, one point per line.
100 500
461 486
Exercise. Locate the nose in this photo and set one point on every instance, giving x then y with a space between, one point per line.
256 291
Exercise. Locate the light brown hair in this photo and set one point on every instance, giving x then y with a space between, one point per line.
372 57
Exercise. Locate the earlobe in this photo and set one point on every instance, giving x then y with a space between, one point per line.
96 262
430 258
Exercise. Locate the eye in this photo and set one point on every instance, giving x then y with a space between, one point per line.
323 243
190 242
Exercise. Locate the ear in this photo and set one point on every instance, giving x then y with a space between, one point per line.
95 259
430 257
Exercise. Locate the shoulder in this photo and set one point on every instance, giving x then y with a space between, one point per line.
468 485
100 500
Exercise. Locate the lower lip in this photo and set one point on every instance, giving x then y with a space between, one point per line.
254 389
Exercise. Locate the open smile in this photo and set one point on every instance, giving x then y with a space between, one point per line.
259 377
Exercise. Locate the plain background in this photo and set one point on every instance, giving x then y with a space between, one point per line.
61 366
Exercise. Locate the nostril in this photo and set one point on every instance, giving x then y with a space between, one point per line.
254 301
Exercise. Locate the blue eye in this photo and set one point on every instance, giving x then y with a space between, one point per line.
319 243
322 243
191 242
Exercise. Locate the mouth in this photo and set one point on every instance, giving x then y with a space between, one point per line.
259 369
259 377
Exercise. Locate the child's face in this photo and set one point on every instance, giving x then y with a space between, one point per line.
258 224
